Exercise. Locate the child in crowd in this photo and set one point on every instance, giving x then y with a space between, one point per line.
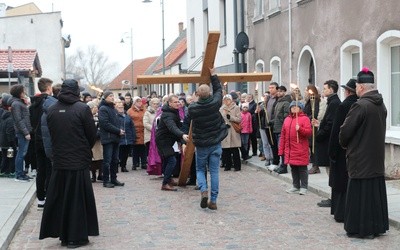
293 145
247 129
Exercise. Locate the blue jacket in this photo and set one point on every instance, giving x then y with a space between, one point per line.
130 133
50 100
109 123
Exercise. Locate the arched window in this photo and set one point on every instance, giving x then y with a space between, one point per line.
260 67
350 60
306 69
275 69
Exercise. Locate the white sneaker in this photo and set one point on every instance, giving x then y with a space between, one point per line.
272 167
33 173
40 204
303 191
293 190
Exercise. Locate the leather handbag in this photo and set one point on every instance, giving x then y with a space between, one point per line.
237 127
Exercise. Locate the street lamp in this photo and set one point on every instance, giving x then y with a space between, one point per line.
132 74
163 39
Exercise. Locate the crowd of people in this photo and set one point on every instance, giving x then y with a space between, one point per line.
70 139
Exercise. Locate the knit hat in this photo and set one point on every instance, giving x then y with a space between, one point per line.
234 96
5 100
350 85
91 104
299 104
365 76
136 98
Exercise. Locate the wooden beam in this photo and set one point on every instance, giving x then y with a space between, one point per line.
210 53
196 78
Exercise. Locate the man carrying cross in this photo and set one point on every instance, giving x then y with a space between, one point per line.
209 130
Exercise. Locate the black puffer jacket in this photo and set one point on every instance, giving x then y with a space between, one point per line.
168 130
72 131
208 125
109 123
21 117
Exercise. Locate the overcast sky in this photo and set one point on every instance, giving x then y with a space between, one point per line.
104 23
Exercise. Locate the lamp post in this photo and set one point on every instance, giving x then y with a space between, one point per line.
162 39
132 74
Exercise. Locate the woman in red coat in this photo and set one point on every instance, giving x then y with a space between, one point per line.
293 145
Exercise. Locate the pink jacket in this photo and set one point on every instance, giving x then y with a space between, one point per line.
296 153
246 123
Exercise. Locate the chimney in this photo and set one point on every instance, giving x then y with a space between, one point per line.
180 26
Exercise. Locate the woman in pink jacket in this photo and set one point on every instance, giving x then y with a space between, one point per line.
293 145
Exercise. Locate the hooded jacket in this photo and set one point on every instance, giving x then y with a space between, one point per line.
295 152
72 131
363 136
7 131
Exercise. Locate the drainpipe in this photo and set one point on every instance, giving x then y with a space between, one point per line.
290 41
242 29
235 32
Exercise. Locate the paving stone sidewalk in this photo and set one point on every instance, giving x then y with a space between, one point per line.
254 212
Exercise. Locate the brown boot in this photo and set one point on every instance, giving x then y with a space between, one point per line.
212 205
314 170
204 199
167 187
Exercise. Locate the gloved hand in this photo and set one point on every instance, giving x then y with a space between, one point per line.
228 116
270 124
228 125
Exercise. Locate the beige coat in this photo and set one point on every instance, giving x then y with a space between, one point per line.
232 140
97 151
148 119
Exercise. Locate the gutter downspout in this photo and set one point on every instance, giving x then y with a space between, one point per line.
290 41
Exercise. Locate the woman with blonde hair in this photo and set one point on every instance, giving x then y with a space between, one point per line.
232 142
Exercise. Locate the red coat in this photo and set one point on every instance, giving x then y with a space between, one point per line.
296 153
247 127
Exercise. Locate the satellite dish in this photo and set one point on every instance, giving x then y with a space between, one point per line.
242 42
126 82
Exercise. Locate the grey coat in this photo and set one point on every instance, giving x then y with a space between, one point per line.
281 111
21 117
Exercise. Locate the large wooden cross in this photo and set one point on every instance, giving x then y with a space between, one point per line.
202 78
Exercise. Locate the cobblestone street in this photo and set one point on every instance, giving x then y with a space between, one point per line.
254 212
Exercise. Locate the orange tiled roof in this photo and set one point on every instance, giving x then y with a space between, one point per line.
173 55
22 60
139 67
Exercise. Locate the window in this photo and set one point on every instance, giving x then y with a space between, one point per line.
350 61
258 10
192 38
274 5
261 86
395 84
222 22
205 24
388 80
275 67
355 64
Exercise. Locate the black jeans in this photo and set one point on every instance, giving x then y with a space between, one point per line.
44 169
231 156
123 154
139 156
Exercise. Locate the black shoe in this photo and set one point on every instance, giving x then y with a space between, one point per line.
93 179
108 185
247 157
76 244
123 169
281 170
227 169
143 166
134 167
117 183
254 154
100 178
325 203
